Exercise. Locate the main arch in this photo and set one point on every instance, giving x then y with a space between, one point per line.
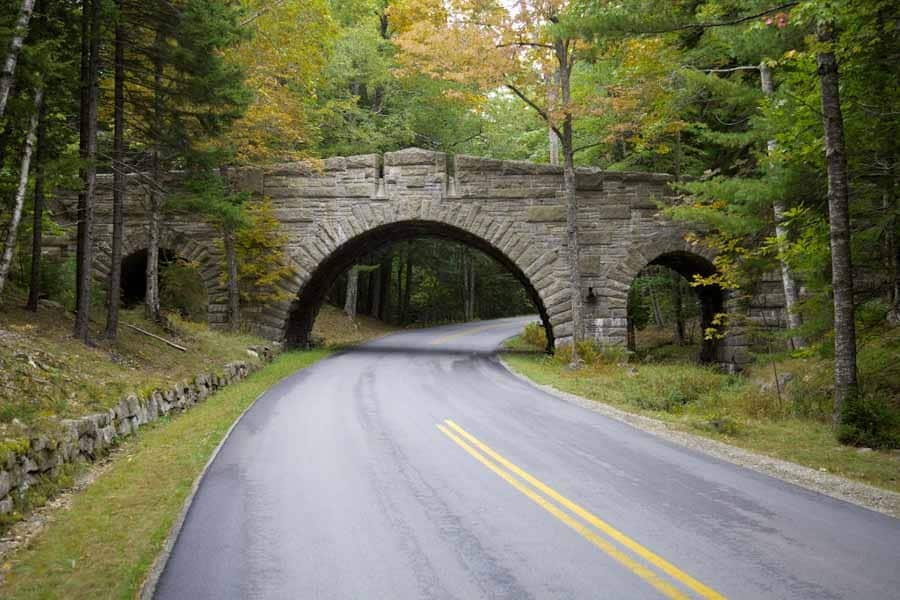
531 269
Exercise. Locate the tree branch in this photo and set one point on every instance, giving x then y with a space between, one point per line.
537 108
585 147
732 69
711 25
525 44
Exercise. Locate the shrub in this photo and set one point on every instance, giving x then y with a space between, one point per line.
670 389
182 289
870 421
58 280
592 353
722 425
535 335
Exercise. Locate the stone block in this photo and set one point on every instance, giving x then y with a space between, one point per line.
592 265
546 213
413 156
589 180
614 212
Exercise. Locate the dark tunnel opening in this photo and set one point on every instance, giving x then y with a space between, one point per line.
305 307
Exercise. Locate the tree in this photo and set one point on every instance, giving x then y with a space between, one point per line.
484 46
90 48
788 281
209 194
845 377
13 227
119 182
261 260
283 58
12 55
34 287
194 95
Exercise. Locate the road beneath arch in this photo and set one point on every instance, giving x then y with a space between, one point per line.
417 467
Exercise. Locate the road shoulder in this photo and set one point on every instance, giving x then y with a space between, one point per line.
834 486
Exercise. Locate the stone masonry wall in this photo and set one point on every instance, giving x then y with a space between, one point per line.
333 211
92 436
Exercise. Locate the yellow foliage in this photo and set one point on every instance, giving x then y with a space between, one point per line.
262 263
283 62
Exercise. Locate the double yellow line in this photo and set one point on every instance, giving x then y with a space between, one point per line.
509 472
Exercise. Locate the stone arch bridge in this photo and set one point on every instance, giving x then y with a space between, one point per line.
336 210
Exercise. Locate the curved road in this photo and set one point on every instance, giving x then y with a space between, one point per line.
417 467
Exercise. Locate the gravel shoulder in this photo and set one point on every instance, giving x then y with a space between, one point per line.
867 496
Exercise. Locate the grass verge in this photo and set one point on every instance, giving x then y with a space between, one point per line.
45 372
704 401
103 545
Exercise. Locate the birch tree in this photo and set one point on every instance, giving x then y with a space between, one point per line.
12 56
13 228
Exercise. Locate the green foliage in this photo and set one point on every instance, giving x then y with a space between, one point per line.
591 353
681 387
535 335
262 263
182 290
870 421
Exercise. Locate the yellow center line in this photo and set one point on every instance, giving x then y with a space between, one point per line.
459 334
632 565
666 567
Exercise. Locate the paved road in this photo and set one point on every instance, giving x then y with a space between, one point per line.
417 467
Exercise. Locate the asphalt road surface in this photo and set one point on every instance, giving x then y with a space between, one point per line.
417 467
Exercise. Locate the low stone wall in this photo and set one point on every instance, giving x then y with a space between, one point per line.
91 437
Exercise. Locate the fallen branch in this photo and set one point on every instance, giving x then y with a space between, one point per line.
156 337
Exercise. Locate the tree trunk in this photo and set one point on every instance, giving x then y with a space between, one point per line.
468 272
151 301
631 337
375 293
234 294
845 376
788 282
352 292
566 139
407 284
9 65
37 238
677 309
889 206
90 30
13 228
384 287
114 285
654 304
552 100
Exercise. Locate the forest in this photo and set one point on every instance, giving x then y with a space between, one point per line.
780 122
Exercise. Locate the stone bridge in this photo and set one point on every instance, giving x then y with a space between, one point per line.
336 210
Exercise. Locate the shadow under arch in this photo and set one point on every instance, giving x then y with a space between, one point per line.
305 307
711 297
172 245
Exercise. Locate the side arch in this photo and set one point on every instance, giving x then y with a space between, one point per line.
685 258
337 244
208 259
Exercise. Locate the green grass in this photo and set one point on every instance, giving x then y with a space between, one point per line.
729 408
45 372
103 546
